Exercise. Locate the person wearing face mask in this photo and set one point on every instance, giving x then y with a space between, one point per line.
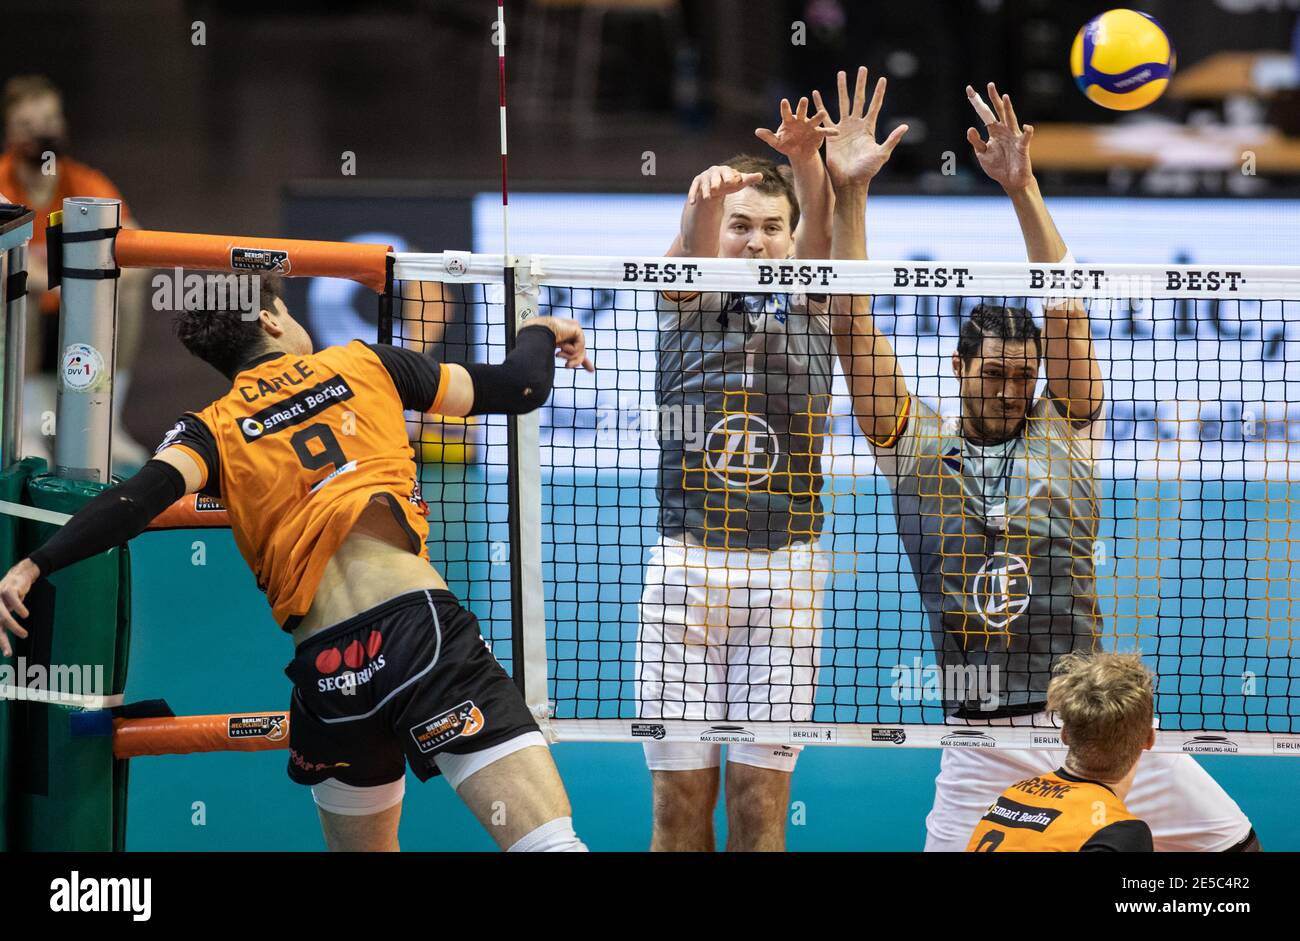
37 171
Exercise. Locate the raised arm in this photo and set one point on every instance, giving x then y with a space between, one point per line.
799 139
702 216
1073 372
519 384
853 159
522 381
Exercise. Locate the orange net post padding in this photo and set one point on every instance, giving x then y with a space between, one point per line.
300 258
185 735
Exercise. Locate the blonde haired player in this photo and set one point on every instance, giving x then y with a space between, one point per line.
1105 705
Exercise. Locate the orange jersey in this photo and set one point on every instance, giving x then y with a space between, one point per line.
1059 812
74 179
296 450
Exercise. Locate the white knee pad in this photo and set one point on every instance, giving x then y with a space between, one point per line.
555 836
335 797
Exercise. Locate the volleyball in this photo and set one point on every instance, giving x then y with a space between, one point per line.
1122 60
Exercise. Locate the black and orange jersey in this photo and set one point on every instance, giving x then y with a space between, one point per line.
1061 813
298 448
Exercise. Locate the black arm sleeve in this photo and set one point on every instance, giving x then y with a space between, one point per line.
1126 836
522 382
112 518
193 435
415 375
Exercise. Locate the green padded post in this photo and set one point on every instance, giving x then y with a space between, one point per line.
13 481
64 789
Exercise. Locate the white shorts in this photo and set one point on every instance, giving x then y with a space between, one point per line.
1186 809
732 636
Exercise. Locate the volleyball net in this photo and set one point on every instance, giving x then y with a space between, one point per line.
698 543
746 569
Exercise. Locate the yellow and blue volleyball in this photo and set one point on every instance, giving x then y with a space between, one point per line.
1122 60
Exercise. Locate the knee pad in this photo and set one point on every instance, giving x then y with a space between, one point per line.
554 836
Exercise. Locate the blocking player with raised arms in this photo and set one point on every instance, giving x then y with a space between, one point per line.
309 452
731 608
997 509
1104 703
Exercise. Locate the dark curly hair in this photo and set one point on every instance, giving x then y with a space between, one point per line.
225 338
989 321
777 180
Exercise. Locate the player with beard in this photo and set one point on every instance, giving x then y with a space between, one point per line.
998 510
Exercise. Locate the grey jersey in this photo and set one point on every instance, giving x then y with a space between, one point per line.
1001 540
758 369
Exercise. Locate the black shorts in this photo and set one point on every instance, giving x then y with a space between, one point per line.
405 681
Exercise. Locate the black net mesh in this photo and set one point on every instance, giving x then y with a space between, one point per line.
720 542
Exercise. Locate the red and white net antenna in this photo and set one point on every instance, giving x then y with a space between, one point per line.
501 86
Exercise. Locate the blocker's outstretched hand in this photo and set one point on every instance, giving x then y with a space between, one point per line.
14 587
1005 155
719 182
800 135
852 154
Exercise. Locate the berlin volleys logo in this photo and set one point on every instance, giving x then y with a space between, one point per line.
741 451
1002 589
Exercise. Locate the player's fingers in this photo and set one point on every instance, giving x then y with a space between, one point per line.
842 86
877 100
706 184
995 100
766 136
694 192
802 111
984 111
11 600
860 92
895 136
588 365
821 107
7 623
821 119
715 184
1009 110
976 141
786 113
1028 136
749 179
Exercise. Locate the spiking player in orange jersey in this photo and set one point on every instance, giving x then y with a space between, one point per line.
309 452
